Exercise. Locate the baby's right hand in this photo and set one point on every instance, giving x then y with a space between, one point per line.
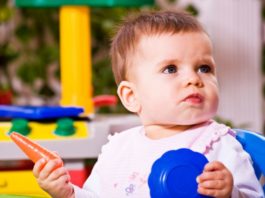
53 178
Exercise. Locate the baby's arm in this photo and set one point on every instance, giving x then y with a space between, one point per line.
53 179
216 180
230 152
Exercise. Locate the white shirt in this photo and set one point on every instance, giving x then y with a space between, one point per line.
125 163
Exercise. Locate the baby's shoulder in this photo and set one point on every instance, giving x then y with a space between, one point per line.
223 143
209 136
224 135
122 139
123 135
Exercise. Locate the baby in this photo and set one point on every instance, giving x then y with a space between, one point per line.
166 74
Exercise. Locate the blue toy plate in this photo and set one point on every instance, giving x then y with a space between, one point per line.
174 174
38 113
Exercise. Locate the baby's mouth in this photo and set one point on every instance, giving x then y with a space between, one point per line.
194 98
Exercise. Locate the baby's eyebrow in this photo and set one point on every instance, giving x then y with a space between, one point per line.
168 61
207 60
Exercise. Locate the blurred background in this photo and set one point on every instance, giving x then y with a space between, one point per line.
30 67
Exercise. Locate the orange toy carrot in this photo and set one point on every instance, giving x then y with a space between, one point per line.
33 150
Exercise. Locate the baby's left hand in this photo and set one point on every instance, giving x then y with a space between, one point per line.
216 180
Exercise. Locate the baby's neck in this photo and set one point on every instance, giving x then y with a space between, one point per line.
164 131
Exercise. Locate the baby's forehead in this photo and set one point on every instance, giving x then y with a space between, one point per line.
157 35
153 44
142 39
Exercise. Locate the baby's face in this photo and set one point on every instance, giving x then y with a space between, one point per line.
175 79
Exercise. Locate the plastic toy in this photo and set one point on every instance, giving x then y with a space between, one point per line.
33 150
39 112
174 174
105 100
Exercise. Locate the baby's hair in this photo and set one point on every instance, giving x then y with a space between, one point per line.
150 23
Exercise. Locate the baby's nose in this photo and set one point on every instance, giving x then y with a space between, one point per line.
193 79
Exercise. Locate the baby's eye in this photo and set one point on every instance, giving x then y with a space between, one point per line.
205 69
170 69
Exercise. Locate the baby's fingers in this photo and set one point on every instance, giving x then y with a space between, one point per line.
216 180
211 192
213 166
205 176
212 184
50 166
58 173
38 167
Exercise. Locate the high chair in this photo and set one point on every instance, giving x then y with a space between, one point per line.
254 144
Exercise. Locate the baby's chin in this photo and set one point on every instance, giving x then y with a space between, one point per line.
193 121
182 124
180 121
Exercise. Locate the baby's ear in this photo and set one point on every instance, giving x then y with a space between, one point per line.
126 92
